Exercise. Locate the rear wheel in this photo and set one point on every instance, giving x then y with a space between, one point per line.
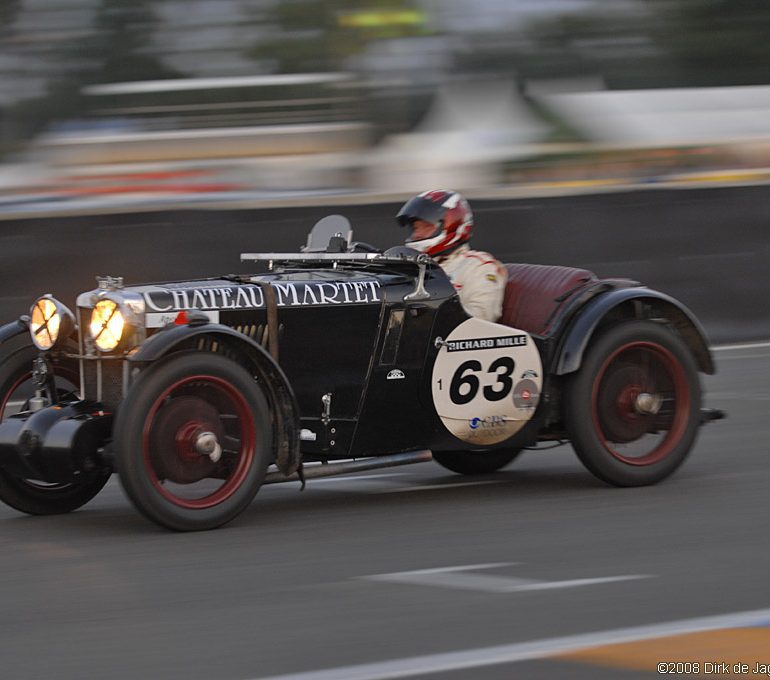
32 496
193 441
632 411
475 462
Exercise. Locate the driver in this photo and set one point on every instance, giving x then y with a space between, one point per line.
441 224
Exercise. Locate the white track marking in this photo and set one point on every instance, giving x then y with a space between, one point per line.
525 651
578 582
462 567
743 357
748 345
458 578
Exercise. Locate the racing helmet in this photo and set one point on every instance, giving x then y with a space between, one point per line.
450 214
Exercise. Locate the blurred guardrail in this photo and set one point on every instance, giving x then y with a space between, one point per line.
197 145
200 119
707 247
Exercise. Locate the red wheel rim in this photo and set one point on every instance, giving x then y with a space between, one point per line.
635 369
178 455
9 393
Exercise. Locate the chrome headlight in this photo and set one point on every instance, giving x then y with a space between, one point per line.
50 322
108 324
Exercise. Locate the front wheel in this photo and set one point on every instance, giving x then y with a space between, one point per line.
193 441
632 410
475 462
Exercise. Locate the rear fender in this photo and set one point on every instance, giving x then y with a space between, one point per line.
630 303
256 360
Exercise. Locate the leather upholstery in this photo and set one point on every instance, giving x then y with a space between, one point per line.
535 292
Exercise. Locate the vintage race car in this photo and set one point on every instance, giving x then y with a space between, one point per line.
335 359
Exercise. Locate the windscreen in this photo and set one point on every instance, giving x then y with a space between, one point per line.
329 226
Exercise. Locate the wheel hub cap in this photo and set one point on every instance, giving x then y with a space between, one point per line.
648 404
621 421
641 403
184 442
207 444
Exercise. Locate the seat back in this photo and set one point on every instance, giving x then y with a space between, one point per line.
535 292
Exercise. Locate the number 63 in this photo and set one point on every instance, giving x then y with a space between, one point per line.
465 383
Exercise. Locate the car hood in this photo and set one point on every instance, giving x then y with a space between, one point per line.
291 290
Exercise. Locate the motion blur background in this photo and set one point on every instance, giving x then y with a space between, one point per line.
150 100
630 137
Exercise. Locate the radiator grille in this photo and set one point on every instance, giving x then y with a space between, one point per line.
257 332
111 371
111 381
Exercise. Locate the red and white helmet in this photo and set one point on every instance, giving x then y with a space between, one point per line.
448 211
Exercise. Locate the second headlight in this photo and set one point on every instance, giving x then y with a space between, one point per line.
107 325
50 322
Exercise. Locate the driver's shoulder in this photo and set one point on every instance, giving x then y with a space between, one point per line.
480 259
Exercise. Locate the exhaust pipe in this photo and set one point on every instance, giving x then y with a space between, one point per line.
346 467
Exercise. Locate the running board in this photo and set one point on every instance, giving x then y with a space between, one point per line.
346 467
709 414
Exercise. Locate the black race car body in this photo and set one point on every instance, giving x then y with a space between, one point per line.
190 390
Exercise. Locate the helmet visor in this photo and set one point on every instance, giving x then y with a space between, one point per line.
422 230
420 208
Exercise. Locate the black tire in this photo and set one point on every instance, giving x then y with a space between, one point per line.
39 498
475 462
633 409
157 428
33 496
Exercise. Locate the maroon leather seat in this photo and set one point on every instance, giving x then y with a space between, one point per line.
535 292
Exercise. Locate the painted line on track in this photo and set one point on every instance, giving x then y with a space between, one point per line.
459 578
711 652
460 567
743 357
526 651
745 345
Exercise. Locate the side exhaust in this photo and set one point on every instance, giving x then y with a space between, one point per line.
709 414
346 467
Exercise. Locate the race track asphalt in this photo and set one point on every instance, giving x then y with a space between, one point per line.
325 579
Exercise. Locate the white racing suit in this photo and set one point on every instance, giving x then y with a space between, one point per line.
479 280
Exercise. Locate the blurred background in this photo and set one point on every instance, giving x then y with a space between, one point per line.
156 100
629 137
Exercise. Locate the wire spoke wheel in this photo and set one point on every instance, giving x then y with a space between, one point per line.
632 410
186 412
640 403
193 440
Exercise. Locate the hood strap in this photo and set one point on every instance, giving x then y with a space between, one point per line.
271 305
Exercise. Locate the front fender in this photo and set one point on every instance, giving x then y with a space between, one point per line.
11 330
633 303
280 393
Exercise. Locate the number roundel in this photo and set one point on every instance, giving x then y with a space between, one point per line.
465 385
486 381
